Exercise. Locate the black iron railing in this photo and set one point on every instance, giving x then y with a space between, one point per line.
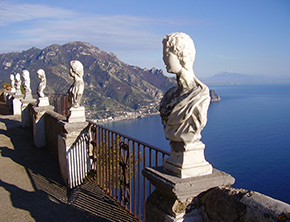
60 103
117 162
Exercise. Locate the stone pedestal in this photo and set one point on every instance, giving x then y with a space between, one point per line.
28 96
25 116
187 160
77 115
173 199
39 125
16 104
43 101
67 152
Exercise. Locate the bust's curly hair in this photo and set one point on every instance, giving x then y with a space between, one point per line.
181 45
77 67
41 73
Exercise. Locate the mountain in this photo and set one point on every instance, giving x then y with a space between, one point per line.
111 86
237 78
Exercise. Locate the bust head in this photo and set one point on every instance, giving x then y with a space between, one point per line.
12 77
181 45
41 74
76 68
17 77
25 74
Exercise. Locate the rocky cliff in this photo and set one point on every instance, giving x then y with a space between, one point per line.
214 97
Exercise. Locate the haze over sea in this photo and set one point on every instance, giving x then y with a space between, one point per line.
247 135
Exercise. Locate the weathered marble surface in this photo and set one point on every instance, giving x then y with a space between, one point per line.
26 85
42 99
18 84
183 108
12 83
76 90
42 84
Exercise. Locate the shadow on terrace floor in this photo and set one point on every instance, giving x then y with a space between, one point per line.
51 200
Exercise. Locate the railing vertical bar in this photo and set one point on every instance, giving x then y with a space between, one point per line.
144 181
99 157
113 161
109 160
134 177
80 180
150 164
95 154
69 168
81 160
139 182
103 151
156 158
117 167
74 166
130 176
105 164
78 170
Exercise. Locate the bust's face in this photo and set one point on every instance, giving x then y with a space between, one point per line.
71 72
172 62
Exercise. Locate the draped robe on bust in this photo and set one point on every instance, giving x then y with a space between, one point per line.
184 114
75 93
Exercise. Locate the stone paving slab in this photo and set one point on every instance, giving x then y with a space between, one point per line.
31 188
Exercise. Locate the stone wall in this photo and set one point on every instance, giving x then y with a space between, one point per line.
53 128
239 205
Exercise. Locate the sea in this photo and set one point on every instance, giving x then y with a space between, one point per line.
247 135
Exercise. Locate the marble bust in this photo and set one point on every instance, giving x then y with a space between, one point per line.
18 84
183 108
76 90
42 84
12 83
26 85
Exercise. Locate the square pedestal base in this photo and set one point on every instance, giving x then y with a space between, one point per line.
187 160
174 197
43 101
76 115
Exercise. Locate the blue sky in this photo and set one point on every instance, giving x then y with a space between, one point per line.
248 37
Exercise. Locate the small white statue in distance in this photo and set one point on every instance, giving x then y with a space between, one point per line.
42 99
76 90
183 108
12 83
26 85
75 93
18 84
42 84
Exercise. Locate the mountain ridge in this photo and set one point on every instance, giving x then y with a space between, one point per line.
238 78
110 84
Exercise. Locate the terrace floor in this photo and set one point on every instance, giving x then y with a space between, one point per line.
30 184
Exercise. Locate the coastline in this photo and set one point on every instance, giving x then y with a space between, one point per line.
121 118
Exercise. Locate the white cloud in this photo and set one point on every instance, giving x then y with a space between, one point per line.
41 25
11 13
